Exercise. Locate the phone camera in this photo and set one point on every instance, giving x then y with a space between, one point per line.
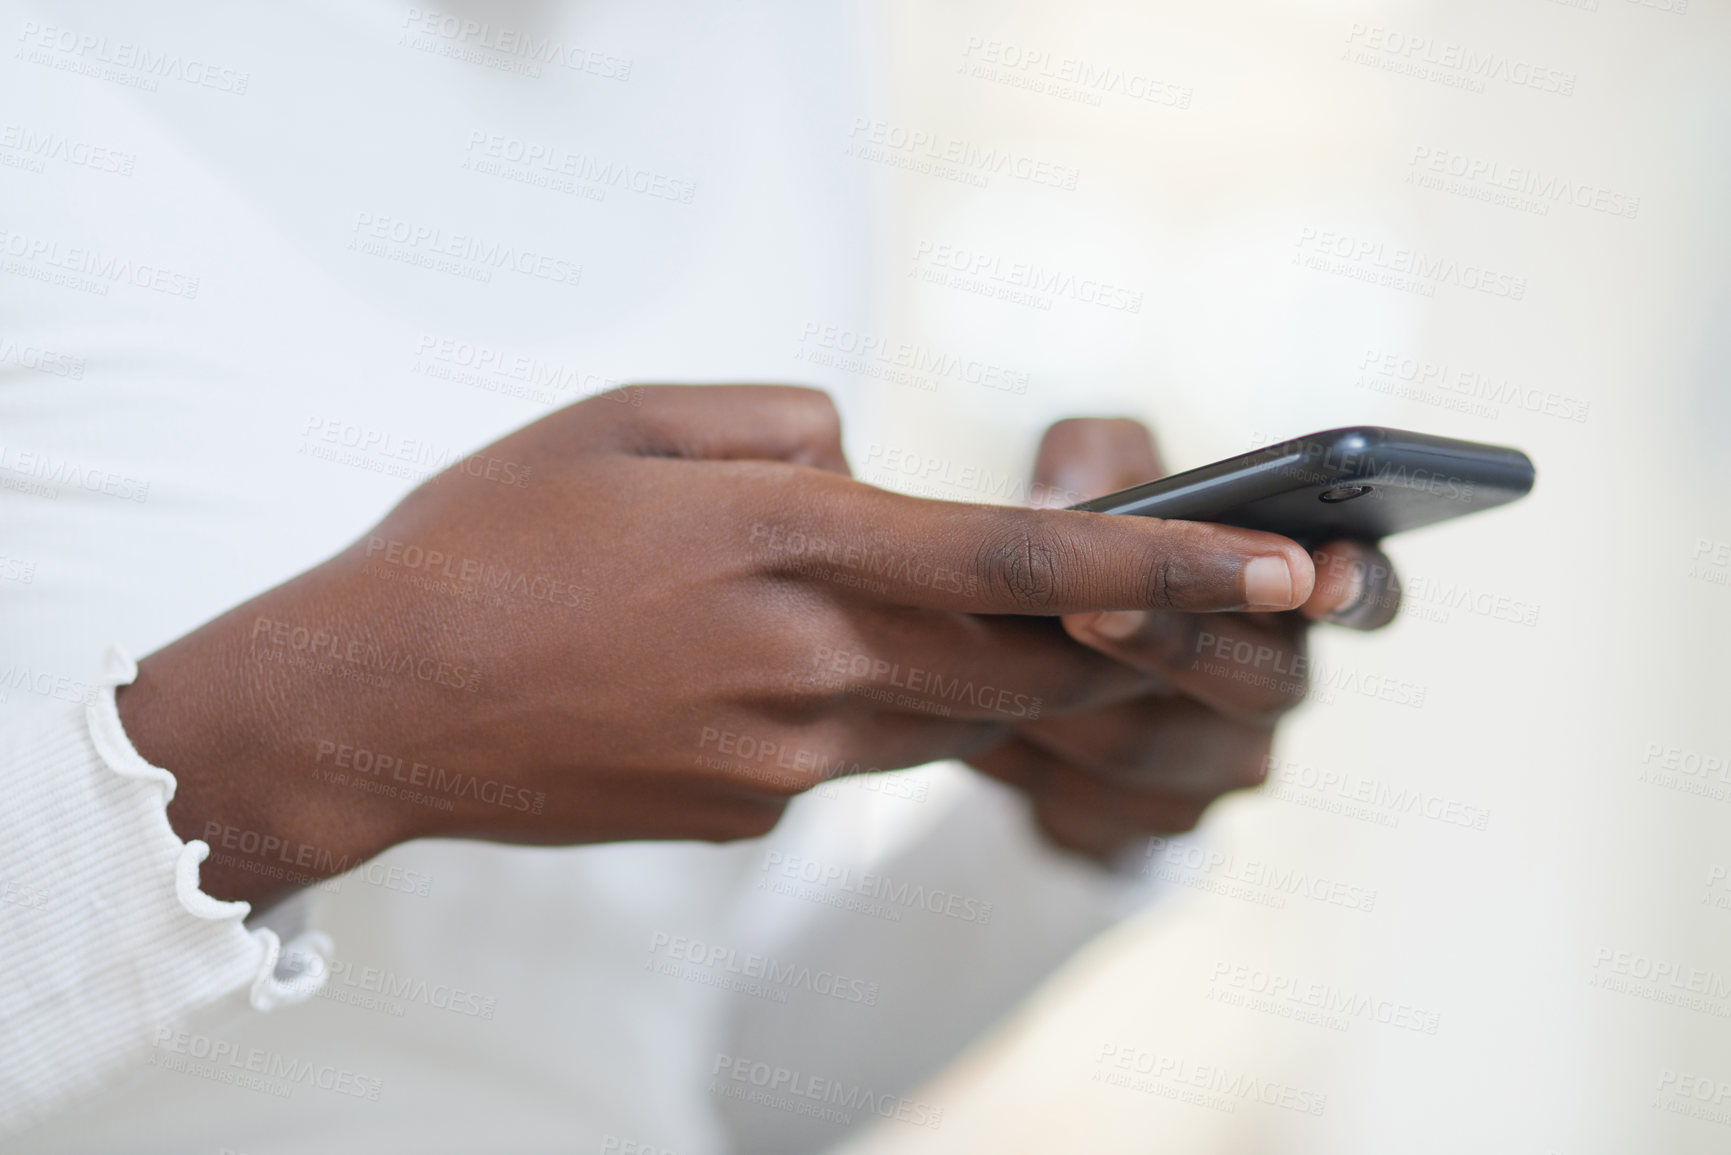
1343 493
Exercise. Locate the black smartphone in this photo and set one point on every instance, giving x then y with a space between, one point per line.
1362 482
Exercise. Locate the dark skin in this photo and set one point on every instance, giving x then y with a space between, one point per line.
1104 778
688 615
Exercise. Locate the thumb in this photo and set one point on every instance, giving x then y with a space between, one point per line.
1086 457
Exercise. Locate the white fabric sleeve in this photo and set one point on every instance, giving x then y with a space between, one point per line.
105 937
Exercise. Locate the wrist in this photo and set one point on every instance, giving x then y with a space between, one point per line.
202 708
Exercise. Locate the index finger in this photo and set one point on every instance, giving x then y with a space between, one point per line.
988 559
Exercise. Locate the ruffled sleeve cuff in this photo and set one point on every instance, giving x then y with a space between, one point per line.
107 935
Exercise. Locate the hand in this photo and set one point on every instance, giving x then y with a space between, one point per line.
652 620
1201 723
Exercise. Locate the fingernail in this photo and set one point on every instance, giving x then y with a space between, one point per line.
1119 624
1268 583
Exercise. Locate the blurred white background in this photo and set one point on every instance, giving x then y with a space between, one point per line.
1546 963
1489 911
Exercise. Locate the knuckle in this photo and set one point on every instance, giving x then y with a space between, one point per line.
815 423
1022 564
818 411
825 668
1174 580
1160 580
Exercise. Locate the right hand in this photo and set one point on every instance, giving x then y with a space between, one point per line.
702 615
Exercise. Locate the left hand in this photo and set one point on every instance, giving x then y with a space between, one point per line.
1214 685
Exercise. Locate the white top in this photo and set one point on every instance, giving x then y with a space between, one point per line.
264 269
